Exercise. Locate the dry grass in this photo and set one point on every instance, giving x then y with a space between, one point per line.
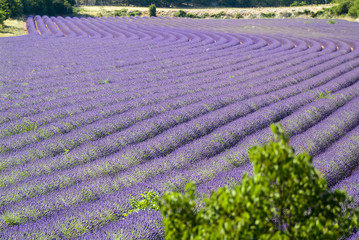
13 27
94 10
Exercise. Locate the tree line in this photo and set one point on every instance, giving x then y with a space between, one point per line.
198 3
16 8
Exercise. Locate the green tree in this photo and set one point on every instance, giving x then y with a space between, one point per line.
11 8
284 199
152 10
2 17
354 9
48 7
4 11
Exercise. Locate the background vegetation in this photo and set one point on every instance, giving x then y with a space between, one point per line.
16 8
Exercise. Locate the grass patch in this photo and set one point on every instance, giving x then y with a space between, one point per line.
326 94
13 27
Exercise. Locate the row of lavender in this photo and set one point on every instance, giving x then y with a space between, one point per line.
95 111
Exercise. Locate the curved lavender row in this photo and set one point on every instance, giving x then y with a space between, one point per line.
350 183
82 27
103 34
3 125
52 27
41 26
156 181
63 28
115 34
73 28
340 159
88 204
150 227
237 155
30 26
55 230
178 154
17 113
316 140
286 82
354 236
185 177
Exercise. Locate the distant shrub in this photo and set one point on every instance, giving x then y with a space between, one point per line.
134 13
103 13
152 10
204 15
331 21
219 15
317 14
180 13
192 15
268 15
298 4
285 14
238 16
120 13
306 11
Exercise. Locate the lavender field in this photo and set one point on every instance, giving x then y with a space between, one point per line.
94 111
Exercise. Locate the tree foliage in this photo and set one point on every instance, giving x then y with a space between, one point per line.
152 10
284 199
344 7
16 8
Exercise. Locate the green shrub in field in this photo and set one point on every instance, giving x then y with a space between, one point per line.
268 15
120 13
192 15
152 10
306 11
204 15
219 15
238 16
284 199
180 13
134 13
285 14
